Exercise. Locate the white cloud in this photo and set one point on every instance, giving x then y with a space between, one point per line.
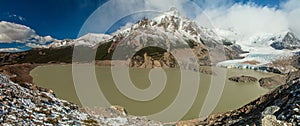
114 10
292 8
16 17
9 49
35 45
126 26
247 19
11 32
290 5
208 4
21 18
250 19
14 32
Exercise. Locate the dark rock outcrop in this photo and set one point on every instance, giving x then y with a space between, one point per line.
243 79
270 69
272 82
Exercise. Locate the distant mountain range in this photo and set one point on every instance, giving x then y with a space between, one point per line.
169 30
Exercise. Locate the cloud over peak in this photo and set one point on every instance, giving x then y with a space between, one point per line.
246 18
250 19
14 32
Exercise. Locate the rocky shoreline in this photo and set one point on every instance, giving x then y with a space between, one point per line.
285 98
19 73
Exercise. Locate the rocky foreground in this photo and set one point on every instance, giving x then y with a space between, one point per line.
28 104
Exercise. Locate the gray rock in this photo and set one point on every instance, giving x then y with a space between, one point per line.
270 110
270 120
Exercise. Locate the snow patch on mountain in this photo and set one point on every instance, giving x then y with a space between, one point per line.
259 48
172 21
92 39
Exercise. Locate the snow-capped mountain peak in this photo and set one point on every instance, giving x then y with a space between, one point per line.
172 22
94 37
286 41
90 40
172 12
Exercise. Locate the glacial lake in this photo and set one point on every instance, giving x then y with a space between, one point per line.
235 95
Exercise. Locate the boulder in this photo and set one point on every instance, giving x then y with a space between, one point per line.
120 109
270 120
270 110
148 62
156 64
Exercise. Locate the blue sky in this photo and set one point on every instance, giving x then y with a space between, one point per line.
64 18
58 18
269 3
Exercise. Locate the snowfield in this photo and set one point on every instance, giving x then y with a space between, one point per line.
259 48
